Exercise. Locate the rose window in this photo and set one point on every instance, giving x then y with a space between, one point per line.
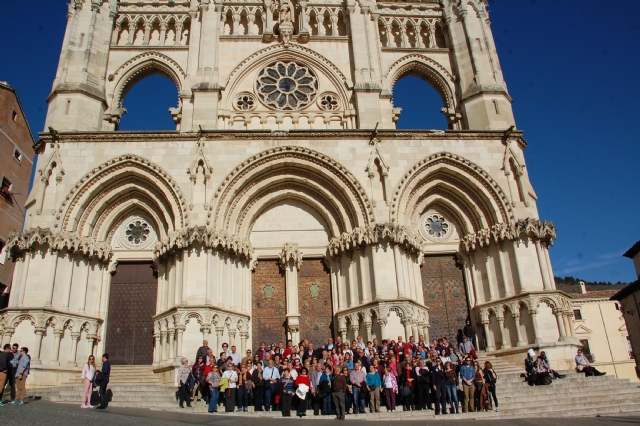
437 226
137 232
287 85
329 102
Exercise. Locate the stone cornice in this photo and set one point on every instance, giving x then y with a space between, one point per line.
528 228
41 318
221 241
20 242
216 135
379 233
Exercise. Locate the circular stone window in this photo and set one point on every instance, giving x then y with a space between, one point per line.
245 102
435 227
329 101
137 233
287 86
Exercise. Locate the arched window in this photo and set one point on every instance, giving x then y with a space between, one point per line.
147 103
421 105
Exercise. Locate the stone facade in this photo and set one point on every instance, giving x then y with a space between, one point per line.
16 162
275 180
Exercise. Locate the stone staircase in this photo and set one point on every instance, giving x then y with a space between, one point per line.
576 395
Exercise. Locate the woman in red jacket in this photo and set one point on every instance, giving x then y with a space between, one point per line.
303 379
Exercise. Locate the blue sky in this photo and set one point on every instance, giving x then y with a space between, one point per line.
573 70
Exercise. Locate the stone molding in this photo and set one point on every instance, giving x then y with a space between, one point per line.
41 319
21 242
290 253
407 310
557 300
528 228
379 233
208 317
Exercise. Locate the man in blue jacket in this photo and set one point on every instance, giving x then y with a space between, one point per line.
106 372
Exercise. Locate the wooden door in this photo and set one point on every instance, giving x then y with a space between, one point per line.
132 304
445 295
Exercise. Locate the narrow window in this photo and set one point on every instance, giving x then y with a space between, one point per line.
68 107
5 190
479 44
3 253
577 314
14 116
495 106
17 155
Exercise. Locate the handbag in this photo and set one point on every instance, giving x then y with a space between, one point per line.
404 390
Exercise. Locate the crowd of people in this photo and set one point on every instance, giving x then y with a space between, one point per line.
341 378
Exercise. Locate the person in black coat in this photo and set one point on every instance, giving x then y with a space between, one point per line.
422 399
106 373
408 379
439 386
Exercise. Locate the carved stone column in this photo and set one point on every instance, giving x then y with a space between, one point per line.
407 328
6 337
490 344
217 345
232 338
534 321
290 262
75 336
206 330
560 322
66 291
243 341
516 318
542 262
171 344
180 332
84 285
382 322
343 334
55 356
207 297
103 271
35 354
503 263
506 344
157 348
165 354
147 33
368 327
490 278
163 33
414 330
567 326
399 276
52 277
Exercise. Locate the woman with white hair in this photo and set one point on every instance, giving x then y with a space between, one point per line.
183 376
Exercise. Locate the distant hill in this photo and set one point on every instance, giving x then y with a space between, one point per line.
569 280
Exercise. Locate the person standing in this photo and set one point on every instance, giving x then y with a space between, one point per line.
467 374
301 381
203 351
232 376
183 377
197 370
438 383
22 372
14 358
88 372
5 367
451 383
257 384
104 382
213 379
374 384
287 392
271 376
358 379
243 390
390 388
339 388
422 385
490 378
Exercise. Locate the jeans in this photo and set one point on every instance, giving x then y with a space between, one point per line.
358 403
326 405
286 404
103 393
243 397
214 393
184 395
258 396
268 392
452 393
421 397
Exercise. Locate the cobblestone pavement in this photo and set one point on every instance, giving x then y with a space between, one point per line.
42 413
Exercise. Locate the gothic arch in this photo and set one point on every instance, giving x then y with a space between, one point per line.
296 52
140 67
299 172
459 183
116 185
430 71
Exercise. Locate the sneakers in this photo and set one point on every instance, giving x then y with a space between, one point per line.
12 402
83 406
1 404
245 410
239 410
497 409
21 403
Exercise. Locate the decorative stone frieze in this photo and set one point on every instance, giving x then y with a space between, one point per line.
529 228
206 237
20 242
379 233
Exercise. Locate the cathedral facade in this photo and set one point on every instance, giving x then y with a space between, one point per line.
285 204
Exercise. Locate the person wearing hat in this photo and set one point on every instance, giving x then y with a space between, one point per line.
529 364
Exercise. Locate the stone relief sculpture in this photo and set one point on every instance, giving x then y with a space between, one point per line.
286 19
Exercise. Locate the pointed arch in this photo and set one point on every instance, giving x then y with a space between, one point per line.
99 198
460 184
295 172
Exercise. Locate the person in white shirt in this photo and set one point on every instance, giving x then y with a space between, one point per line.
235 356
88 372
231 375
360 343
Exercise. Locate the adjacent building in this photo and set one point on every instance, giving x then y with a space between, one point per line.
629 298
16 162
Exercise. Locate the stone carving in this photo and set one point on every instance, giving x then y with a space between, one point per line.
314 289
379 233
268 291
529 228
20 242
290 254
286 19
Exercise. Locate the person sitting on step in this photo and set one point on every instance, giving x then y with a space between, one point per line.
582 365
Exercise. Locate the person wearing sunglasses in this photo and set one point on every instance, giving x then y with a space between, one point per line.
213 380
467 375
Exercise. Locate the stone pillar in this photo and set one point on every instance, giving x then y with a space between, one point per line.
515 256
549 268
35 353
472 272
163 33
503 269
567 326
157 349
6 337
490 277
178 280
206 331
382 322
572 325
165 354
506 344
414 330
407 328
221 267
243 342
353 280
52 277
207 296
171 344
75 336
55 356
364 285
66 291
18 283
343 334
290 261
536 334
232 338
343 281
490 343
373 250
425 333
103 270
399 277
184 282
542 262
334 283
84 286
560 322
368 326
516 318
218 344
179 333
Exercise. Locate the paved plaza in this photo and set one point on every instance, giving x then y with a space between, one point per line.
47 413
